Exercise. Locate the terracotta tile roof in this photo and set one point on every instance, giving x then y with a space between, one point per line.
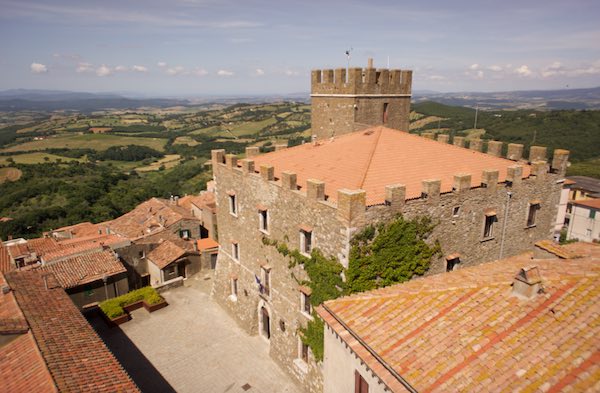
67 251
372 159
18 250
82 229
12 320
166 253
83 269
6 264
77 358
206 244
148 218
43 245
23 368
206 200
556 249
590 203
463 331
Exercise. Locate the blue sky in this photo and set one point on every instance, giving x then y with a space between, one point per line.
206 47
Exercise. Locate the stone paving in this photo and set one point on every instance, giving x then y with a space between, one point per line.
196 347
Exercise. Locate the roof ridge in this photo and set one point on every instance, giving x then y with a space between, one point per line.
370 160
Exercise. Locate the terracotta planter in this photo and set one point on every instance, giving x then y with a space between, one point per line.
154 307
112 322
133 306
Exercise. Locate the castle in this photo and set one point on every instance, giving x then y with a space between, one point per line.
318 195
344 101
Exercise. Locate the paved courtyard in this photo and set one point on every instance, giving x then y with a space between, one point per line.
193 346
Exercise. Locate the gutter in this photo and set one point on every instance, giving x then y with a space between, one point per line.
389 368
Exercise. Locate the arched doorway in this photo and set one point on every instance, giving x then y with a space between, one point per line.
265 323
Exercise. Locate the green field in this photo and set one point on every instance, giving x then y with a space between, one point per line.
87 141
35 158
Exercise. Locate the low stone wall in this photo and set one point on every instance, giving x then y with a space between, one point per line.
165 286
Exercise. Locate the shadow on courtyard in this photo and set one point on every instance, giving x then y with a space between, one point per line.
143 373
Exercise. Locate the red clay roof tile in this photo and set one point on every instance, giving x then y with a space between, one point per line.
166 253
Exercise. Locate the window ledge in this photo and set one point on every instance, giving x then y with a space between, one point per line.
486 239
305 254
233 214
264 232
531 226
301 365
308 316
233 298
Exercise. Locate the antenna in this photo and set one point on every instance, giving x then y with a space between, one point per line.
348 52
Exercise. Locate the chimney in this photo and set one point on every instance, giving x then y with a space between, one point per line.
314 140
527 283
176 199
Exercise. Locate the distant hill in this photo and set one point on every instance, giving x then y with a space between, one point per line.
529 99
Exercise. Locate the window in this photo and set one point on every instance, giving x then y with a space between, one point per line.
305 241
233 204
88 291
488 228
452 262
234 287
303 355
266 280
142 254
184 234
456 211
263 220
592 214
170 271
532 213
385 112
235 251
360 385
305 303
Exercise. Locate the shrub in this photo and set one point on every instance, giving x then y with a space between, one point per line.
114 307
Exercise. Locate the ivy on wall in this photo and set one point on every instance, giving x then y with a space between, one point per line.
381 255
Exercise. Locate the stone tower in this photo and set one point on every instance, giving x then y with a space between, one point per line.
345 102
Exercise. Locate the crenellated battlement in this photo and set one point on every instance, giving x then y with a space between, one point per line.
361 81
351 204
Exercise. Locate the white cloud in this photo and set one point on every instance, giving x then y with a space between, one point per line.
84 67
291 73
474 67
38 68
161 64
103 70
121 68
479 74
259 72
178 70
523 70
495 68
225 73
139 68
199 72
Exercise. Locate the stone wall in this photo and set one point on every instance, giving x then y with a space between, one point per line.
95 292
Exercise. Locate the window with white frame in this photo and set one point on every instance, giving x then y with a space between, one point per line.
305 305
302 351
233 208
534 206
234 287
235 251
306 239
263 220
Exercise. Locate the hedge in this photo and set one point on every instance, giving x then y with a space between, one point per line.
113 308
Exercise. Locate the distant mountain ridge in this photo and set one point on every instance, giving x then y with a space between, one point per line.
525 99
51 100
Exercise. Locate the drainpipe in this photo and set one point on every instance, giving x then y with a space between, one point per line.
506 209
105 279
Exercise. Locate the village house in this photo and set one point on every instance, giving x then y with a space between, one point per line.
584 220
46 345
318 195
518 324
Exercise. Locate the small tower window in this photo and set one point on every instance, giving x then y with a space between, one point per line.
385 112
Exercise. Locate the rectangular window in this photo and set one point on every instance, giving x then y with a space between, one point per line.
385 112
456 211
303 352
266 280
360 384
532 213
233 204
488 228
592 214
234 287
452 263
171 270
184 234
263 220
305 241
235 251
306 306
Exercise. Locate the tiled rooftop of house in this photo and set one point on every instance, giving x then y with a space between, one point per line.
86 268
6 264
205 200
372 159
61 351
585 183
206 244
589 203
166 253
147 218
464 331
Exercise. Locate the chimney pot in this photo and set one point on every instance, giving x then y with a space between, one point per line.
527 283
